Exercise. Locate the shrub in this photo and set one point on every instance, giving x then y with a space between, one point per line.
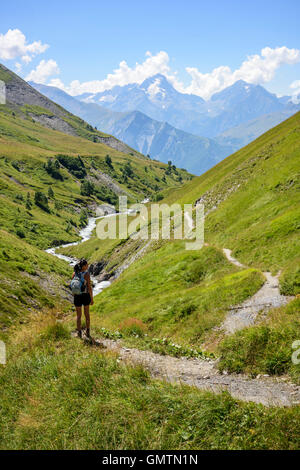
52 168
158 197
74 165
41 201
87 188
108 161
20 233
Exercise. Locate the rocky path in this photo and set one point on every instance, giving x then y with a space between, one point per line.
204 375
267 297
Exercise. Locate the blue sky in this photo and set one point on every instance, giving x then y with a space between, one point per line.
187 39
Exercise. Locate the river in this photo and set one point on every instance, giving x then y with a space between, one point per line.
85 235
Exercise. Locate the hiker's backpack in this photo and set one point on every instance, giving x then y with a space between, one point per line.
77 283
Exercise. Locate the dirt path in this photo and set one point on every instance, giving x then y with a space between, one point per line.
245 314
204 375
267 297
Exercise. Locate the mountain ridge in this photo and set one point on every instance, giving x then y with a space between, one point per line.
158 139
236 104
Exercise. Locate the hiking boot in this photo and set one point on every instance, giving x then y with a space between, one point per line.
88 333
79 333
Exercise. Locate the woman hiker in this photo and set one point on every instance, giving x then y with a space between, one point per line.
85 297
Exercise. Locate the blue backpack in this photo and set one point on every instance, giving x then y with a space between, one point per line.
77 283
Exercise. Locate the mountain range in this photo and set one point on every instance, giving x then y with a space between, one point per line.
156 97
158 139
157 120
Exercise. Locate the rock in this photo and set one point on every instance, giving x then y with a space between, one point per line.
96 268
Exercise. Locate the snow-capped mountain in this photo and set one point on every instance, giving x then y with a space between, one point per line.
156 119
158 139
156 97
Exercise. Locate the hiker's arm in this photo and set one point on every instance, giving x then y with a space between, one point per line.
88 280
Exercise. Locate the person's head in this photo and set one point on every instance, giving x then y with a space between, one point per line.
82 265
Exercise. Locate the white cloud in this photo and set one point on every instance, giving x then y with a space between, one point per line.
124 75
256 69
295 86
43 71
13 44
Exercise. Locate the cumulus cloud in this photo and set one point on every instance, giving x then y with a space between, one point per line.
256 69
43 71
295 86
13 44
124 75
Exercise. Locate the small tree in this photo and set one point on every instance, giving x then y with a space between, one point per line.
87 188
108 161
50 193
28 202
58 205
52 168
41 201
127 170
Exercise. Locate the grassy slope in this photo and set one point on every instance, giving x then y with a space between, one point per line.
205 284
24 149
57 394
259 219
260 222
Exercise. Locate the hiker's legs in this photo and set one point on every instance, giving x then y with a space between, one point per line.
79 313
87 318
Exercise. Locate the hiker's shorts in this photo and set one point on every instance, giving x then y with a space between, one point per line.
82 299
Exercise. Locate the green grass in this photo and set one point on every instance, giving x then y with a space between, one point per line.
258 186
30 280
190 292
58 394
258 217
24 150
265 348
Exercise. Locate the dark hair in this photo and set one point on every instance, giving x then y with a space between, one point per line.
78 267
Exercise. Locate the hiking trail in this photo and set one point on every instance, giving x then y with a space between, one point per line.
267 297
204 375
201 373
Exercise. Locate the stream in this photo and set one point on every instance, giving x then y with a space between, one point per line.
85 235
